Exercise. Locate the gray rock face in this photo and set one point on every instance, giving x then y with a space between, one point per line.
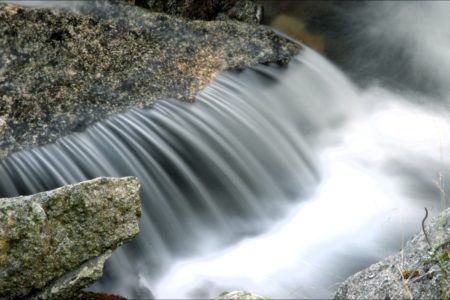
241 10
71 284
416 272
53 244
61 70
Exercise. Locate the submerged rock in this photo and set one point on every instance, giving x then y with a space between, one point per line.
62 70
54 244
238 295
418 271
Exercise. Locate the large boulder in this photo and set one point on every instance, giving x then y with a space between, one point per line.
61 70
54 244
421 270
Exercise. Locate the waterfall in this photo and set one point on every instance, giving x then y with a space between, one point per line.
212 172
277 180
379 168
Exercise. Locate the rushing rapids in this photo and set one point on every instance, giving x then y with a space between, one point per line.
281 181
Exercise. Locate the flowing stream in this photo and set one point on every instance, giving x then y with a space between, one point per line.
281 181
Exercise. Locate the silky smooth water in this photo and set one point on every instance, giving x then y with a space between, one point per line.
277 180
212 172
379 169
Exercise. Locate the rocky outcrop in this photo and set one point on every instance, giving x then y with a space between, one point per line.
55 243
421 270
61 70
241 10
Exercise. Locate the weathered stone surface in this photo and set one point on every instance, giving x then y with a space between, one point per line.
238 295
71 284
416 272
241 10
61 71
54 243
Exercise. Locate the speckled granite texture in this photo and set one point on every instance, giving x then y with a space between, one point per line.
62 70
242 10
53 244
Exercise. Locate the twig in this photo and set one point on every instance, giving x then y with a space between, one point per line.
423 228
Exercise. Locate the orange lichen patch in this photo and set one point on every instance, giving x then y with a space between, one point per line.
296 29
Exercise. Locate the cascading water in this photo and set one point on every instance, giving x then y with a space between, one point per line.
222 168
379 170
335 176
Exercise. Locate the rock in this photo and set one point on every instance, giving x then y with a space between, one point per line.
241 10
416 272
55 243
238 295
62 70
101 296
71 284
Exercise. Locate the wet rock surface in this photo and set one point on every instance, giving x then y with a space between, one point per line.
55 243
417 272
62 70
